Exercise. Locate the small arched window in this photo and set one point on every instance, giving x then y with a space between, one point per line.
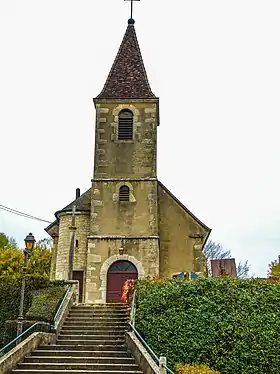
124 193
125 126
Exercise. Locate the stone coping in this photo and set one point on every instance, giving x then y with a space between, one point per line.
141 355
16 355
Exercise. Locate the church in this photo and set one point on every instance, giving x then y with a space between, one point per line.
127 225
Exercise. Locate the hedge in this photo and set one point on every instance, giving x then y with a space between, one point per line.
11 329
230 325
45 303
10 296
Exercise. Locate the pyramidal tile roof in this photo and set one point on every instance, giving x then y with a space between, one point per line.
128 78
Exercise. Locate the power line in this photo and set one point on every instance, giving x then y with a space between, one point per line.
21 214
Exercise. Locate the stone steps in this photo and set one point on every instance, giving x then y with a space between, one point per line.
98 325
34 371
91 337
85 347
70 331
67 367
97 319
92 340
98 310
79 360
86 322
80 353
97 315
94 328
93 311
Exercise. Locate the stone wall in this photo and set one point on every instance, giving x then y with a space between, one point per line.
141 355
178 250
82 222
129 158
103 251
154 229
54 257
16 355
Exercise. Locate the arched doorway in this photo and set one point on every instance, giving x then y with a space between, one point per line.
117 274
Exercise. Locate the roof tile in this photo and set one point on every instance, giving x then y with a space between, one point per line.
128 77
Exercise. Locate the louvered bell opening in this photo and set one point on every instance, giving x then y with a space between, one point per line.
124 193
125 128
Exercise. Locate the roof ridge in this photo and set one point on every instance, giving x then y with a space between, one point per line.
141 59
184 207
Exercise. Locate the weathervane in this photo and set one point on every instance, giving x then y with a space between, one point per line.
131 1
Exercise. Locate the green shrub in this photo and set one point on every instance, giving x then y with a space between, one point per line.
194 369
231 325
10 296
10 331
45 303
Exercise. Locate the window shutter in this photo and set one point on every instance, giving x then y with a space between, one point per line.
125 127
124 193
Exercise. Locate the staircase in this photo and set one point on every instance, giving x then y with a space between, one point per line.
92 340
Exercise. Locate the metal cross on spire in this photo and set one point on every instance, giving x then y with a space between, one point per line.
131 1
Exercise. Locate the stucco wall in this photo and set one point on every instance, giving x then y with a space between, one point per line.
178 252
136 217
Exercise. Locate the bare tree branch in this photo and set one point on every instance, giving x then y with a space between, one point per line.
215 251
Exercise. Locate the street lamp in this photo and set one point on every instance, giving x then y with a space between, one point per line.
29 244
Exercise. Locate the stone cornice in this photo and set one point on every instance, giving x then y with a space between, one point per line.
130 237
123 179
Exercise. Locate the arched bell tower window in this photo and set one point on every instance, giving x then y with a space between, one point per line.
125 125
124 193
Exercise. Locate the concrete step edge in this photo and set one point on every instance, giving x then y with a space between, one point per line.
75 352
81 358
65 347
65 364
35 371
93 330
93 336
96 341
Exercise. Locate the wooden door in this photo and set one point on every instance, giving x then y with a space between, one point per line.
79 275
118 273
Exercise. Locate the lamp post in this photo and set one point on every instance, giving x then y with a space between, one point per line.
29 244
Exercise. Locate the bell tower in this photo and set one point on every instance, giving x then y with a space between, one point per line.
126 117
124 203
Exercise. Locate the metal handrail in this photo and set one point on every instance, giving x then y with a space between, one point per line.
132 312
149 349
146 345
155 357
168 370
22 334
61 305
18 338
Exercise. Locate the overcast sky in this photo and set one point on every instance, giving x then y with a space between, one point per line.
215 66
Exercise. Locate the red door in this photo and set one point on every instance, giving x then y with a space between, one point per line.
118 273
